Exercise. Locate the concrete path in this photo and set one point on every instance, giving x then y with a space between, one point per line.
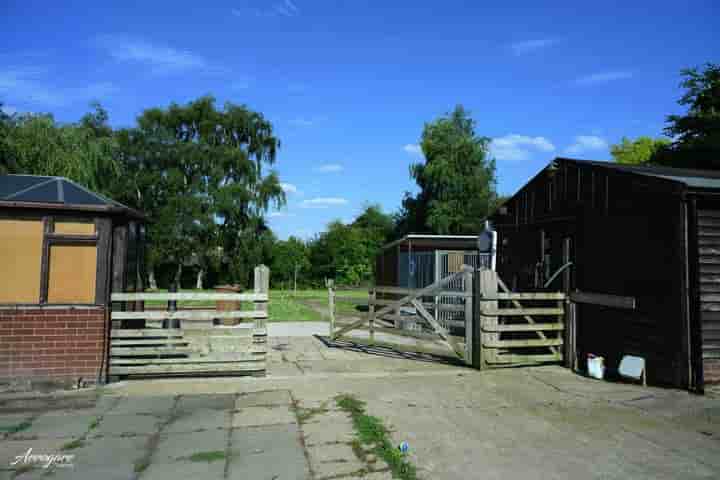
543 422
297 329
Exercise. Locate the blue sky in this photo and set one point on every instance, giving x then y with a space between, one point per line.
348 85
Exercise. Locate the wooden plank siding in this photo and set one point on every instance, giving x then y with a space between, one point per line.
708 235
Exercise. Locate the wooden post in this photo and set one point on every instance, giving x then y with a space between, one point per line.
477 349
468 288
262 285
570 336
561 319
488 289
331 310
371 314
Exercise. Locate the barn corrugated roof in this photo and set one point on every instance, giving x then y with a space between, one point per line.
18 190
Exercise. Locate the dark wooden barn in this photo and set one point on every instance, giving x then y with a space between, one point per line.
643 244
63 249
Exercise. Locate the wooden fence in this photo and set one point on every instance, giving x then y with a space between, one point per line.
390 316
516 334
170 342
501 328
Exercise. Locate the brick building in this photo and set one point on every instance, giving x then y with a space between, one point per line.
63 249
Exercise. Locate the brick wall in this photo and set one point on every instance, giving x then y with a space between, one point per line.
51 344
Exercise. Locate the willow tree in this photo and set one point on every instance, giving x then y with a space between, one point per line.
85 152
203 177
456 180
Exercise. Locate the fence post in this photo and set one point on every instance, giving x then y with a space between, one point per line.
331 309
172 307
371 314
262 285
569 341
468 289
488 289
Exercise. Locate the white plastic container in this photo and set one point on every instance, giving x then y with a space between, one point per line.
596 366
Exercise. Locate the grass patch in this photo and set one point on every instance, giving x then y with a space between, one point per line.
212 456
72 445
141 465
94 424
304 415
371 431
19 427
284 308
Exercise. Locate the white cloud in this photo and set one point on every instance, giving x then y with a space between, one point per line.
160 58
329 168
289 188
602 77
285 8
584 143
323 202
413 149
529 46
27 85
519 147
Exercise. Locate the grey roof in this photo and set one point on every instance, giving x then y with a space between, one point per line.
689 177
29 189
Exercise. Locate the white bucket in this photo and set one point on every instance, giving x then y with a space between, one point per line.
596 366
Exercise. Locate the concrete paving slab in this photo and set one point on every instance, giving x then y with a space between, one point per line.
259 416
199 420
215 402
174 456
9 449
297 329
108 458
158 406
266 398
333 460
272 452
318 433
60 424
126 425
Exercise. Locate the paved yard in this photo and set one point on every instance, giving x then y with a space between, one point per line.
534 423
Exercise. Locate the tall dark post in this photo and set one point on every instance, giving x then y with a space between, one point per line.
172 307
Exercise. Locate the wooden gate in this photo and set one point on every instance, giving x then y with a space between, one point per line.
518 334
502 328
146 342
409 316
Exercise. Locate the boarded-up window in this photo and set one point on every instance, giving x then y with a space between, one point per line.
20 260
75 228
72 274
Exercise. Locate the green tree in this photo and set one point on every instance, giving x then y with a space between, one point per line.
696 134
456 180
35 144
290 261
639 151
346 252
199 174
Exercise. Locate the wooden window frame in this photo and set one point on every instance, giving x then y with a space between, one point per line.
101 239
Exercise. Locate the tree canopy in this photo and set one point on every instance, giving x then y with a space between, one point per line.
199 172
638 151
456 180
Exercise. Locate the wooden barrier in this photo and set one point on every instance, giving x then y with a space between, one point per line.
385 316
517 334
198 346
